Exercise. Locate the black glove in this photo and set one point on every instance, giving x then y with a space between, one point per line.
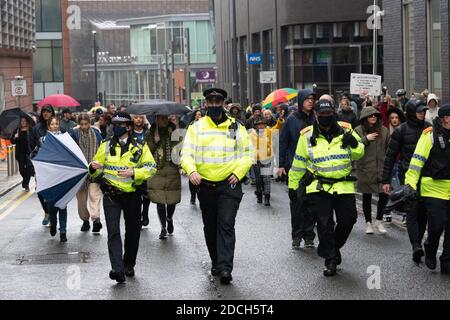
293 195
349 140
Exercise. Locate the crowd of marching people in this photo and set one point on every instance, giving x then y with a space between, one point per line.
325 149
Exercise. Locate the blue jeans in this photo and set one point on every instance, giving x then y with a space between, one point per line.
53 212
395 182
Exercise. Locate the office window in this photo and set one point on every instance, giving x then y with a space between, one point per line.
48 16
409 47
435 55
48 62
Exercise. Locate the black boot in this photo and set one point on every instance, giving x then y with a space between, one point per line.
86 226
259 196
97 226
267 200
330 268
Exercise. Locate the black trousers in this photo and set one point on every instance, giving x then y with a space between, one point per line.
332 235
438 212
416 223
145 201
26 171
219 205
302 221
193 190
367 206
43 204
165 213
129 203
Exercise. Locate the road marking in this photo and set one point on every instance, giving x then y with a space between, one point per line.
16 203
7 201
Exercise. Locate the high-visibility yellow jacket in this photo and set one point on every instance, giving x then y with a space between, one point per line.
137 157
429 187
327 160
262 142
217 151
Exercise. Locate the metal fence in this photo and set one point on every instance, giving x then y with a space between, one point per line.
13 167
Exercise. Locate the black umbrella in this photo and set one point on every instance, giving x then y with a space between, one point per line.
9 121
158 107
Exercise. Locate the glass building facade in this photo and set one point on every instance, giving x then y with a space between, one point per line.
146 76
326 54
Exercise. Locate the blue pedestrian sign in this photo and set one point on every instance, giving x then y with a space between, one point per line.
255 58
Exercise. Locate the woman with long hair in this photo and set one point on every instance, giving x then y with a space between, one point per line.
369 169
164 188
22 140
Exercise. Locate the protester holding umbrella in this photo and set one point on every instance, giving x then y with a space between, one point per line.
121 164
53 126
165 187
89 196
37 135
22 140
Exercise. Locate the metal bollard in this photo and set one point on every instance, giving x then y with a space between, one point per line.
9 161
16 163
13 168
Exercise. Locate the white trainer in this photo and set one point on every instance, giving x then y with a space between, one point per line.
381 228
369 229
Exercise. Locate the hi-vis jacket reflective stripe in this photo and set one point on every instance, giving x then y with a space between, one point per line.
429 187
328 160
144 169
217 151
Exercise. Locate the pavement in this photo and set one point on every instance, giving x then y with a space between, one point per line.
7 183
35 266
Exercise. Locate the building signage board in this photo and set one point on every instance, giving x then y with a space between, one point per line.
255 58
206 76
18 88
268 77
365 84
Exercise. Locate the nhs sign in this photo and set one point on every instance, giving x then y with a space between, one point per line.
255 58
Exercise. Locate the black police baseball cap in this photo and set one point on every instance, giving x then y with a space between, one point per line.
421 106
324 106
215 94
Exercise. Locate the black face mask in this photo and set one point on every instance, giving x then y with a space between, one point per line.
215 111
327 121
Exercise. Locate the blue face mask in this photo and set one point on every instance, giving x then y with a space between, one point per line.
119 131
215 112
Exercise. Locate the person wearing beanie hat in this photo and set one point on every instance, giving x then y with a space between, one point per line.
302 223
120 165
430 171
322 170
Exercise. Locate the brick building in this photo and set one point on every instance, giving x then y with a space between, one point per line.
17 32
52 57
416 46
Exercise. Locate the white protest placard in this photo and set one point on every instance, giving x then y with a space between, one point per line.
365 84
268 77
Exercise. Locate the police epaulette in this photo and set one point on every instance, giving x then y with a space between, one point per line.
240 122
306 130
107 139
427 130
345 125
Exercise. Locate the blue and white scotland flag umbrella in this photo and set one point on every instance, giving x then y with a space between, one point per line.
61 169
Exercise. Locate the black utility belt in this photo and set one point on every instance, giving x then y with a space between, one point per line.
211 184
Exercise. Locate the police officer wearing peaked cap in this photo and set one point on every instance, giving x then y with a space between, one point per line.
216 156
120 164
322 167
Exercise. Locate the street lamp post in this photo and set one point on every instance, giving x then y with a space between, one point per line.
359 55
94 33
